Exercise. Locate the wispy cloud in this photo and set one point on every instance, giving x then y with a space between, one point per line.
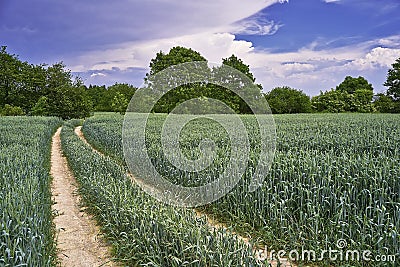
96 74
314 70
256 26
331 1
115 42
310 68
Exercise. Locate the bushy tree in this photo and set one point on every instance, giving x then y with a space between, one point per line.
233 100
119 103
351 85
288 100
10 67
41 107
21 83
41 89
390 101
176 55
331 101
384 104
393 81
9 110
99 97
66 101
236 63
352 95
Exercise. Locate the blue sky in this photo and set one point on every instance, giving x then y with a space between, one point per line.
306 44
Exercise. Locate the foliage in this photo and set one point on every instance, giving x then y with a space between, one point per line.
201 91
386 104
352 95
41 107
26 232
35 88
66 102
331 101
119 103
351 85
335 176
175 56
102 97
9 110
20 82
390 101
236 63
393 80
288 100
230 98
142 230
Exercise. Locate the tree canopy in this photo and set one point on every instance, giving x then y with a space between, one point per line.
40 89
352 95
393 80
177 55
200 90
52 90
390 101
351 85
288 100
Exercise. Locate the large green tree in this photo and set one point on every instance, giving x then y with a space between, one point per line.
385 104
390 101
65 101
393 80
21 83
202 90
119 103
99 97
176 55
243 86
351 85
10 67
330 101
235 62
351 95
288 100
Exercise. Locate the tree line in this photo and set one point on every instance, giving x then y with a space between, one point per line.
27 89
42 90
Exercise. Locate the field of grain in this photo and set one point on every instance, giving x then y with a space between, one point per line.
334 177
27 236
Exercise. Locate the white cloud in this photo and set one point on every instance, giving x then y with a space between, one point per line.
213 46
124 21
210 26
97 74
294 67
308 69
256 27
376 58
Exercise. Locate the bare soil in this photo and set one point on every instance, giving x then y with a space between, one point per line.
79 241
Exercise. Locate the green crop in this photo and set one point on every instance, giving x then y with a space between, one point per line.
334 176
142 231
26 229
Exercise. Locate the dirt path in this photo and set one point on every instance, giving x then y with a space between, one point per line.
79 133
78 240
